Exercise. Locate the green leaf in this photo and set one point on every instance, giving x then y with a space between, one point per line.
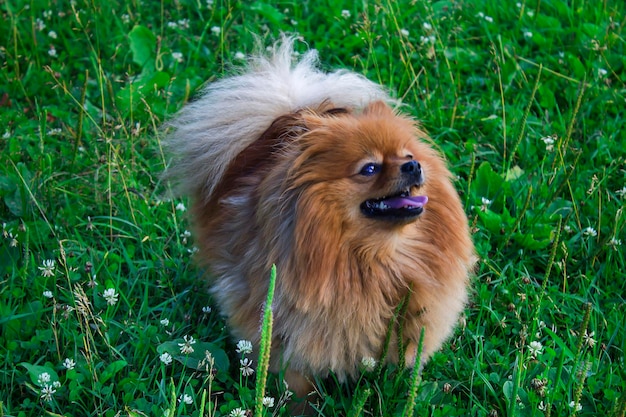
112 369
268 11
196 359
143 46
35 371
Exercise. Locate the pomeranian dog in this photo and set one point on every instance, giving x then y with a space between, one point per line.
316 173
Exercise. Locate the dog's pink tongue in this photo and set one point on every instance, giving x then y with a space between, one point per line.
411 202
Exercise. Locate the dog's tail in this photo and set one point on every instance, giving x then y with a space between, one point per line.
230 114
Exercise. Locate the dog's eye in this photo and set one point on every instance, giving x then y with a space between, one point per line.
370 169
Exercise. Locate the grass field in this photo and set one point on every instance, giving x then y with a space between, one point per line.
98 293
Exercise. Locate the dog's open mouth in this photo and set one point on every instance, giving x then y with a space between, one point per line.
401 206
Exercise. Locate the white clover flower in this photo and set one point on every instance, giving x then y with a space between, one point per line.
126 18
52 34
527 34
590 231
39 24
427 26
165 322
52 51
172 25
518 5
166 358
404 33
615 242
244 347
47 270
48 294
185 398
602 72
47 392
43 378
111 296
368 363
178 56
69 363
240 56
489 19
530 13
575 405
588 339
345 14
216 30
268 402
541 406
246 367
237 412
13 242
181 207
206 309
535 347
186 348
183 23
549 142
481 15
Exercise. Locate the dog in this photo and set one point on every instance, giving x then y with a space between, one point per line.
317 173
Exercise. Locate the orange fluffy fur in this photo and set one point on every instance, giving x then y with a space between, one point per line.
292 196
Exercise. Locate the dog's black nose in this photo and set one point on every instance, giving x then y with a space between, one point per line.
411 167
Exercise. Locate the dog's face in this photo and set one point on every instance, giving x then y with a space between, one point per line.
370 168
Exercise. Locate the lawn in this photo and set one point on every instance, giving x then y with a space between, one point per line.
100 303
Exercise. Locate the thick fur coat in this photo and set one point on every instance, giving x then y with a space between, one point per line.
316 173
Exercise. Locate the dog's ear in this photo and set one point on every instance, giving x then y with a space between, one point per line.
379 108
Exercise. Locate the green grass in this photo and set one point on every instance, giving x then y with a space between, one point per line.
527 102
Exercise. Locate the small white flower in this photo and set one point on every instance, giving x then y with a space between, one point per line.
165 322
240 56
345 14
246 367
535 348
56 384
172 25
615 242
69 363
52 51
13 243
47 392
427 26
590 231
43 378
185 348
181 207
6 135
237 412
589 340
52 34
530 13
110 295
485 204
185 399
183 23
166 358
47 270
125 18
528 34
216 30
549 142
541 406
575 405
481 15
244 347
39 24
404 33
489 19
178 56
206 309
518 5
621 192
602 72
368 363
47 14
268 402
48 294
